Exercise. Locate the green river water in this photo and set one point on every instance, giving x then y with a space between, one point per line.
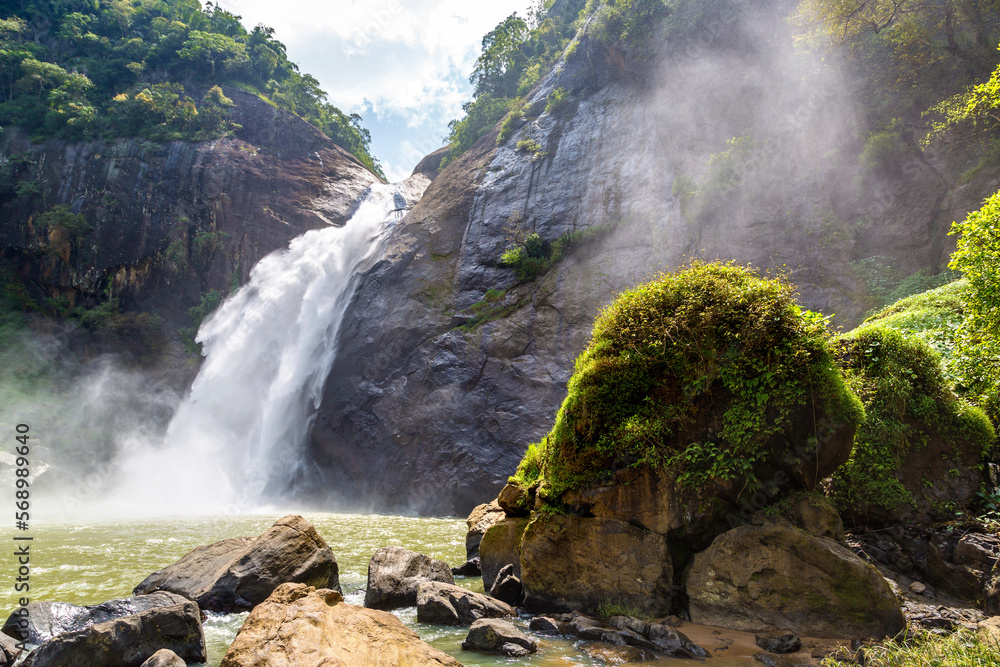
88 563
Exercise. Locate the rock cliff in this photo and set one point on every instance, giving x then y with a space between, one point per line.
449 364
171 222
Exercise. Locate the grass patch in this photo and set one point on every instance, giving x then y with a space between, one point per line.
925 649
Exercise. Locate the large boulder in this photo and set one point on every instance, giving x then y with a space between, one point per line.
501 546
239 573
9 651
38 622
128 641
569 562
445 604
481 519
394 574
299 626
694 386
773 576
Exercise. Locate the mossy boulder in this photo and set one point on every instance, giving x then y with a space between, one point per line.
501 546
713 381
919 453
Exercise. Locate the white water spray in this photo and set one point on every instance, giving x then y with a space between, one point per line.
236 440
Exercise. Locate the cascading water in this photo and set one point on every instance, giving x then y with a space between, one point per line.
236 440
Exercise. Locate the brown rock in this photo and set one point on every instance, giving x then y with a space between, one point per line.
239 573
490 635
568 562
394 574
299 626
776 577
815 514
655 500
609 654
481 519
9 652
164 658
127 641
501 545
515 500
446 604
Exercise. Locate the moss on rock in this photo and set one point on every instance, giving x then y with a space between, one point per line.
712 372
918 452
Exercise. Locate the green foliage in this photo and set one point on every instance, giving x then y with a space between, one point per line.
883 152
514 57
978 339
530 146
630 22
907 401
976 110
557 101
209 302
494 306
531 256
73 227
115 69
711 337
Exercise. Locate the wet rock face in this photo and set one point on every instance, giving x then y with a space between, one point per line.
41 621
218 206
237 574
456 407
128 641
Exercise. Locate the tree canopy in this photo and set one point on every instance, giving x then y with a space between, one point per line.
83 69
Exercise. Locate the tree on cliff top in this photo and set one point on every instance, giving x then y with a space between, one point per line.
64 67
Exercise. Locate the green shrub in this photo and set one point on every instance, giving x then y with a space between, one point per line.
883 152
530 146
977 257
557 101
533 256
711 337
907 401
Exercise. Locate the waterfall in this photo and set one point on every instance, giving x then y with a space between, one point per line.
236 441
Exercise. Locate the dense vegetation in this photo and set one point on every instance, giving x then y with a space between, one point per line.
149 68
713 337
908 402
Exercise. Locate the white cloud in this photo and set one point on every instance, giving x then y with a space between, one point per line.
402 56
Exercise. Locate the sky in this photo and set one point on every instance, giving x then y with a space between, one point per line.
403 65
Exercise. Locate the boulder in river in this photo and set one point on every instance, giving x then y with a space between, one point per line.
446 604
127 641
760 578
9 652
491 635
507 587
299 625
164 658
239 573
394 574
38 622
